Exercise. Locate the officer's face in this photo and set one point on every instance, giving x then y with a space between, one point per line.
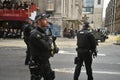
30 21
44 22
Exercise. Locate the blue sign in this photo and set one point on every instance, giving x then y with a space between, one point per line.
55 30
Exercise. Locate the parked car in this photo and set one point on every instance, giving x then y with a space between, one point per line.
99 35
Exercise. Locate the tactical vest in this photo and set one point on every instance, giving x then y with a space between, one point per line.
83 40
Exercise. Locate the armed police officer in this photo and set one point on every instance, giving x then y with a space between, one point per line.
26 32
86 47
40 48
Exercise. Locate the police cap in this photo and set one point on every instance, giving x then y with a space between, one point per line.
41 16
86 24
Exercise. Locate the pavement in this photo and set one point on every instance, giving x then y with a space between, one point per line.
106 66
61 42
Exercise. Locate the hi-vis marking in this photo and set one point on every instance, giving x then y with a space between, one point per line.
71 71
66 52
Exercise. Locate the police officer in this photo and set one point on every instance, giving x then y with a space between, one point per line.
40 47
86 47
26 33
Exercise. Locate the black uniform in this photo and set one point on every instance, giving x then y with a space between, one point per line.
40 47
86 45
26 30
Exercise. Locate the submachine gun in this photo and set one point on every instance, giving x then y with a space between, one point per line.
54 48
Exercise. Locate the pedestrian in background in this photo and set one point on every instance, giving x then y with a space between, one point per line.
40 48
86 47
26 33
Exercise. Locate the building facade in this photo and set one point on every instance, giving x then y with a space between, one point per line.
72 13
110 16
64 13
112 19
93 9
117 16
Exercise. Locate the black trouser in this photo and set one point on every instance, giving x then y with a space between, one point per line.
27 55
42 70
87 59
27 59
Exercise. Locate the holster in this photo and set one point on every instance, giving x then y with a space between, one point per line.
76 60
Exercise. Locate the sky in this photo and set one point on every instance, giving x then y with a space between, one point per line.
105 5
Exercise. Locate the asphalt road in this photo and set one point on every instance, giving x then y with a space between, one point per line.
105 67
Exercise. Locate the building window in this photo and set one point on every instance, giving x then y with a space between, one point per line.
50 6
50 0
99 2
88 6
88 9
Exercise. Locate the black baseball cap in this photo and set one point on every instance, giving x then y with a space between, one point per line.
41 16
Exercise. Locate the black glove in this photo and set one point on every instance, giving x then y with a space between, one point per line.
56 49
76 60
54 38
95 54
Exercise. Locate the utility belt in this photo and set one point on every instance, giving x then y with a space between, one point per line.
36 61
82 50
32 64
37 68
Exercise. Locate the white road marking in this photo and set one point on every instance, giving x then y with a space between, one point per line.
118 63
66 52
101 54
71 70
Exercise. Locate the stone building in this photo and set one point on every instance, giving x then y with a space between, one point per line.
117 17
64 13
110 16
112 19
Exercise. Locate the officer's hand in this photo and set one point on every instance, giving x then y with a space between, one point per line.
94 54
53 38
